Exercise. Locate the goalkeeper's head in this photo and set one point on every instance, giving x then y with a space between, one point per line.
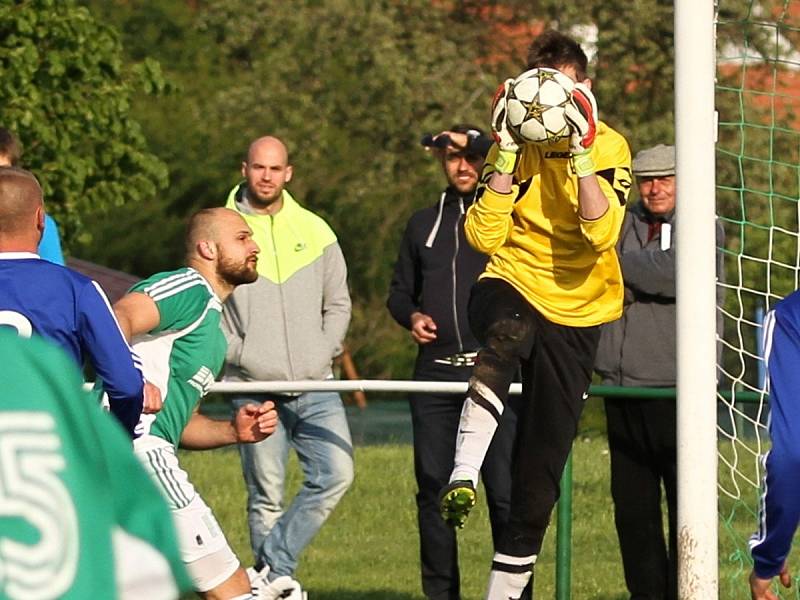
555 50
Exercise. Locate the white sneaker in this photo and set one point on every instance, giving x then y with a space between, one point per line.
281 588
252 574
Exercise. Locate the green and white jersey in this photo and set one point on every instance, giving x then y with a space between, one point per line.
79 517
184 353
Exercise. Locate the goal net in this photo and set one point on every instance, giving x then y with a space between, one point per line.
758 186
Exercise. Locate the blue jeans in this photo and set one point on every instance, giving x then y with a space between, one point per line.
315 425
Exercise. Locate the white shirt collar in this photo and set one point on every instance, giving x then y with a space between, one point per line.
17 255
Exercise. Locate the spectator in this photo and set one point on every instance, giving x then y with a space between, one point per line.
428 296
638 350
50 245
173 319
779 510
61 304
549 217
289 325
81 519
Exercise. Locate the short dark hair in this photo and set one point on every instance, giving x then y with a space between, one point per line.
20 195
10 146
554 49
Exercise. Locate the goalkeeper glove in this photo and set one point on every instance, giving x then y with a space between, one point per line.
581 114
508 148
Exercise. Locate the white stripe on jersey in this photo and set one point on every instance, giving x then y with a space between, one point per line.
177 289
166 284
176 283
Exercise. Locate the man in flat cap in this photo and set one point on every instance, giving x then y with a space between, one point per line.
638 350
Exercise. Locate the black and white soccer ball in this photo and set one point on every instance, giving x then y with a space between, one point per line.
535 106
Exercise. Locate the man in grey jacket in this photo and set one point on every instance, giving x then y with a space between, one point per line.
288 326
638 350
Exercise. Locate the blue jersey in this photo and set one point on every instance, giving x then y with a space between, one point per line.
41 298
779 510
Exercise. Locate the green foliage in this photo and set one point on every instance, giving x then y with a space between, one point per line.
352 85
66 91
351 90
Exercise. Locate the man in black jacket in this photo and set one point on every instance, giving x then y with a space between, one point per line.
435 270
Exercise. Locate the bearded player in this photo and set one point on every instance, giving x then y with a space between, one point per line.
173 321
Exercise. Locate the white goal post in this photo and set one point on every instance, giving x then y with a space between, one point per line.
696 299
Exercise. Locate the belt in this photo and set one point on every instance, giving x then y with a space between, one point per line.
459 359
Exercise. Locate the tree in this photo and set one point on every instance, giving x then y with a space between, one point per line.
351 86
66 92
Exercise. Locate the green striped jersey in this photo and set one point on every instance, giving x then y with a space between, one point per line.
80 517
184 353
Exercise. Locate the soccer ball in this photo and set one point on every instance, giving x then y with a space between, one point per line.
535 106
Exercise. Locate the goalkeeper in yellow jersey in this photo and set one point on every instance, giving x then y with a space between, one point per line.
549 217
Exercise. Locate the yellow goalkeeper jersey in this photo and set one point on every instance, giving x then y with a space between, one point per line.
565 266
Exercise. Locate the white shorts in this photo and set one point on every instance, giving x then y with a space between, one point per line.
204 549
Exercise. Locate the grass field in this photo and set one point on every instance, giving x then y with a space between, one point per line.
368 548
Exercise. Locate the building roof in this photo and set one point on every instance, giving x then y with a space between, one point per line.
114 283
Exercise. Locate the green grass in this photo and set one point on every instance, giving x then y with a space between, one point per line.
368 549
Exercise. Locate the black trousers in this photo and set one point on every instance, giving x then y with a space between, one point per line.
643 447
556 364
434 419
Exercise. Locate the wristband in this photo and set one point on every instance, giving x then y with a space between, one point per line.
505 162
583 164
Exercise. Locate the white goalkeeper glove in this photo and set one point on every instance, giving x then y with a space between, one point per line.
508 148
581 114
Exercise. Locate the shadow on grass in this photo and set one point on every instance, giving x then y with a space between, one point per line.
362 595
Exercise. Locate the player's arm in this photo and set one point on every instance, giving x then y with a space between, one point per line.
603 174
779 512
581 114
251 423
137 314
760 588
488 221
110 355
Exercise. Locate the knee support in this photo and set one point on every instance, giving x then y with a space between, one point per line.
208 558
507 341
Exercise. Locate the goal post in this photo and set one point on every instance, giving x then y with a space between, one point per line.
696 299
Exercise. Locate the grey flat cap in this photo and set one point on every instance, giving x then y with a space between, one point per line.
657 161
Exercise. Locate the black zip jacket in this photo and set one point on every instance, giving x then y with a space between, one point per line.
435 270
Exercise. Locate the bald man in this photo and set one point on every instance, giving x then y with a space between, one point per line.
288 326
173 321
38 297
